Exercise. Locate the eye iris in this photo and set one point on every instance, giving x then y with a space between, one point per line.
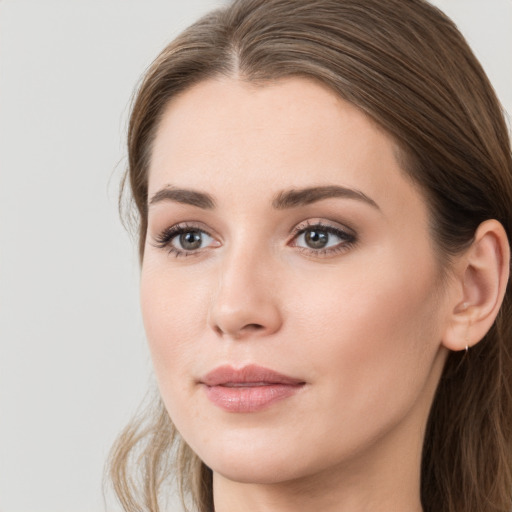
316 239
191 240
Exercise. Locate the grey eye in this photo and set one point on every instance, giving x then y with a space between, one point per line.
191 240
316 238
321 238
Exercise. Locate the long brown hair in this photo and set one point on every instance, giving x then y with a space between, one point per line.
405 64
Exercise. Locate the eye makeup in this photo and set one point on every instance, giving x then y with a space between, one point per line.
184 239
315 238
320 239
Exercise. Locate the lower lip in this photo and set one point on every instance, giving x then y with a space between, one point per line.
249 398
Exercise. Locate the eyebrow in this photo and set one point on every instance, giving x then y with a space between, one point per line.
282 201
184 196
304 196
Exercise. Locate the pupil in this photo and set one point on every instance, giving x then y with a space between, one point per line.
316 239
190 240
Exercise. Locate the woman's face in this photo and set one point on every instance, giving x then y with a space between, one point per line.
290 291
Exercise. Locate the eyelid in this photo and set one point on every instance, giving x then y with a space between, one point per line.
322 223
347 236
164 240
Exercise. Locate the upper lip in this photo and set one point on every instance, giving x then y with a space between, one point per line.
250 374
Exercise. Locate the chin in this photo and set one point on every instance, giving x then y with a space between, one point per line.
249 457
257 470
260 459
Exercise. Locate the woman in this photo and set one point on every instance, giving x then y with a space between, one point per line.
324 191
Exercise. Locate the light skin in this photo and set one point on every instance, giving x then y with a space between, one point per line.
282 232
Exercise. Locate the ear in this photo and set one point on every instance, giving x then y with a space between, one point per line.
481 280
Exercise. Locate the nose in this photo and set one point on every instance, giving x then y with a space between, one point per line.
245 303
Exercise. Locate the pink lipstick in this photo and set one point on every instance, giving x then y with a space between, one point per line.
248 389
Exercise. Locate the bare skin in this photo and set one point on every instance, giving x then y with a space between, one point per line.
337 287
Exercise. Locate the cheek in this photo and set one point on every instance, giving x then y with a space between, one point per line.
374 332
174 314
382 303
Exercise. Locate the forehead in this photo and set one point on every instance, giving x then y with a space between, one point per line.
226 135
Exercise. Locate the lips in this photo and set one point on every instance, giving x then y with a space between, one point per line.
249 389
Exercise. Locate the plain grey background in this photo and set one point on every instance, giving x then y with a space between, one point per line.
73 359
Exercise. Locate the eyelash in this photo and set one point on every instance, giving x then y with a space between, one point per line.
164 239
348 240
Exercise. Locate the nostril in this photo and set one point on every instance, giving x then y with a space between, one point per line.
253 327
248 328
